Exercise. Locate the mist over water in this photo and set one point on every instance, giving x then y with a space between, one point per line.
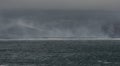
38 24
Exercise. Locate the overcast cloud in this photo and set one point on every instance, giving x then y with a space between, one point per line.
60 4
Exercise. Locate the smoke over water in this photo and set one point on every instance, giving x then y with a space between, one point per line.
63 24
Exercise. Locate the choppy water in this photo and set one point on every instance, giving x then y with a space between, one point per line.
60 53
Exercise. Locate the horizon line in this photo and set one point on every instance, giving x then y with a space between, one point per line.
59 38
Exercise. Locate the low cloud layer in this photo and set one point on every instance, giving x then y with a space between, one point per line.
38 24
60 4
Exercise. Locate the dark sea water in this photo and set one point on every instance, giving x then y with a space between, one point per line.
60 53
24 24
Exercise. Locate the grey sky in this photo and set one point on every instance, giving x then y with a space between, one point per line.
60 4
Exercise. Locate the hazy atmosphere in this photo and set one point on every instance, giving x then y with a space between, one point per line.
60 4
74 18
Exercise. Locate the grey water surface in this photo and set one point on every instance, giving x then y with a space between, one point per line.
60 53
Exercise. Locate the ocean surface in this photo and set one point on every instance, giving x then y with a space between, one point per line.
60 53
34 24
